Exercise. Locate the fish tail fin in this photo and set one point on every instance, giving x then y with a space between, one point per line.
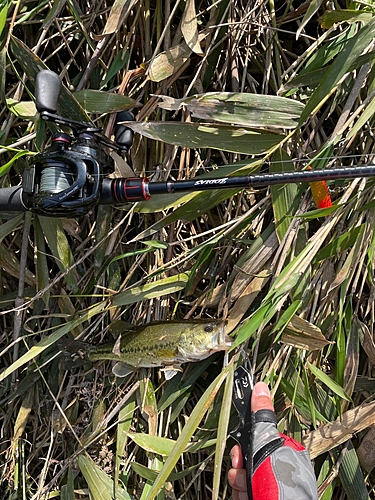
74 351
72 346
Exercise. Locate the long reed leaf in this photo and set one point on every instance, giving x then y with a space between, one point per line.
187 432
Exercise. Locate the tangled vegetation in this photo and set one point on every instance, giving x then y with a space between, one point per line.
218 89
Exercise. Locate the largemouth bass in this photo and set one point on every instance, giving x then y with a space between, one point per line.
166 344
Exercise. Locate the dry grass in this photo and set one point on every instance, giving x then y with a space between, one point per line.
296 288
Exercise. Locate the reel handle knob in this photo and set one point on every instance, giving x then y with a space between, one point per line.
123 134
47 91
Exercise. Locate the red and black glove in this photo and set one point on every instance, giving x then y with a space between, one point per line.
277 467
281 467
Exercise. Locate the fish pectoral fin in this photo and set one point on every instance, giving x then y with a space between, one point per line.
117 347
171 371
121 369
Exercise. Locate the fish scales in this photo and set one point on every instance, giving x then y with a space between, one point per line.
163 344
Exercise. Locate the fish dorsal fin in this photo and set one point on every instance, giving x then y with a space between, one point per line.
121 369
119 327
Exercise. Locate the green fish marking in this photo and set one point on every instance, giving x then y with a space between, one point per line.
166 344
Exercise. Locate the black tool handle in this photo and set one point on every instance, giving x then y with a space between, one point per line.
241 397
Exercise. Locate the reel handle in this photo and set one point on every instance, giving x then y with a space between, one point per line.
123 134
47 91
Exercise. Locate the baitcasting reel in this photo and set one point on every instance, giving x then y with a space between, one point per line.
66 179
71 176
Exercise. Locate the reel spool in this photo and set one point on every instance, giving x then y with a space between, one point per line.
66 180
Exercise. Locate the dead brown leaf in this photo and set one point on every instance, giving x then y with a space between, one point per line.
333 434
189 27
119 12
304 335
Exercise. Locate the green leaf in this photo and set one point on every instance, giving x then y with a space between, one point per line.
261 316
101 486
145 472
249 110
190 427
291 390
328 381
331 17
59 245
182 383
130 254
319 213
6 167
366 115
53 13
42 270
22 109
9 226
351 475
348 56
76 12
3 14
313 78
157 288
118 63
313 7
155 244
222 431
67 490
308 396
125 418
283 285
95 101
41 346
32 64
31 12
206 135
340 339
154 444
152 244
150 475
286 317
316 65
323 475
285 198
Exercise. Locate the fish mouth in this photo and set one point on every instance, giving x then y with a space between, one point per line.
228 341
224 343
221 339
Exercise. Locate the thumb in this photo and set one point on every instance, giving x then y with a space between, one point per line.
261 398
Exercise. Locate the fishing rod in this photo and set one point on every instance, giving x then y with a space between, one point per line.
71 176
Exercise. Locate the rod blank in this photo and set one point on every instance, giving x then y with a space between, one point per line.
123 190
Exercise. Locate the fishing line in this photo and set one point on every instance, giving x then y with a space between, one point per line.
299 161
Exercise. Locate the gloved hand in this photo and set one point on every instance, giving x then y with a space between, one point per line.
281 466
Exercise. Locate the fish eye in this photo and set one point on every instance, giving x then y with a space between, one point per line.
208 328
